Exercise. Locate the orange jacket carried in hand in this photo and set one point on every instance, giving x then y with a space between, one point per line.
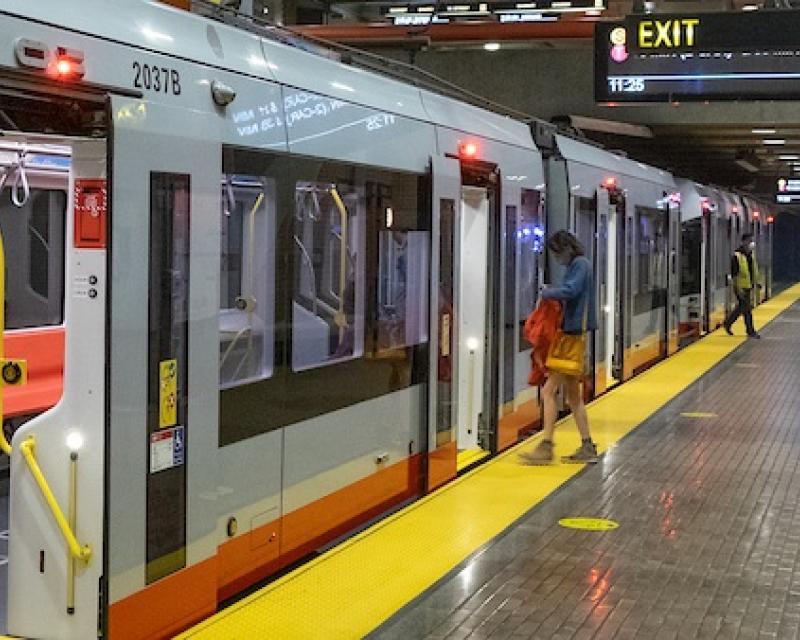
540 330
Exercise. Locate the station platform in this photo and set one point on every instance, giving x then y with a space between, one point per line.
701 473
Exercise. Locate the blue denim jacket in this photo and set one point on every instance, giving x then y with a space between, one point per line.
576 292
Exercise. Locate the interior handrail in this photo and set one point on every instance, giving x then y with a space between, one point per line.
307 261
17 178
340 206
77 550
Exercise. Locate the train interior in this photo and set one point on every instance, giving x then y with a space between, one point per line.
35 174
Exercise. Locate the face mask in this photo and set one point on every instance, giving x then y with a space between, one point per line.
752 245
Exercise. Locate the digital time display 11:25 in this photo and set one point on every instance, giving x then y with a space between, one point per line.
705 56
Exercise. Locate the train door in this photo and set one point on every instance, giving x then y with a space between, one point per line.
673 274
730 241
649 290
164 349
586 220
610 270
707 267
52 584
442 444
464 373
473 242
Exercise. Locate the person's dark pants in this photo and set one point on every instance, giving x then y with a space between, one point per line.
744 308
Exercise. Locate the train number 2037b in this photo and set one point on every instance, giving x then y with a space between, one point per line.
154 78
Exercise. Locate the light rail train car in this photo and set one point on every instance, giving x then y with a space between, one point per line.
713 221
293 298
294 293
626 214
759 218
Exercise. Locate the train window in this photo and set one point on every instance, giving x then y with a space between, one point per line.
530 244
246 318
445 386
328 302
690 257
402 288
39 236
651 264
34 246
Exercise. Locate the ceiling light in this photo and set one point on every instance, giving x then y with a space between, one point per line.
750 7
765 132
774 141
491 46
789 157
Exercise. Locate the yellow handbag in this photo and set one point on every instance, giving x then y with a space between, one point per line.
568 351
566 355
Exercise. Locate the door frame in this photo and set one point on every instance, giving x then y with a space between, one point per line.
478 173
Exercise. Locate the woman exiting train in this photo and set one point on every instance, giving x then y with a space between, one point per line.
576 294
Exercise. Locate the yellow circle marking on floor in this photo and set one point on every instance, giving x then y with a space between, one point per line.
588 524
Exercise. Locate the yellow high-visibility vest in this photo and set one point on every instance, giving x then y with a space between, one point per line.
745 279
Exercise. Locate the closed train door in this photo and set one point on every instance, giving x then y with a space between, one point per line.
673 273
163 323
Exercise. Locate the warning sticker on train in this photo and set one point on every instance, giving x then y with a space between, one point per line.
588 524
166 449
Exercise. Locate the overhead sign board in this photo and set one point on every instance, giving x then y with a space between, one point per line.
416 14
752 55
788 191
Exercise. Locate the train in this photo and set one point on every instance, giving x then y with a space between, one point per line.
267 294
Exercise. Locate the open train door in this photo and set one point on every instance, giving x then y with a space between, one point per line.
56 494
442 445
163 341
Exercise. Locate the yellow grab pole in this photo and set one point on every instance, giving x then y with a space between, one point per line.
73 524
78 551
337 199
3 442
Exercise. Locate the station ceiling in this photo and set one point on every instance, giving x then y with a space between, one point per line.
729 151
729 155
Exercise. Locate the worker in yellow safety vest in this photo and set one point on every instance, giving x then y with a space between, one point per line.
745 277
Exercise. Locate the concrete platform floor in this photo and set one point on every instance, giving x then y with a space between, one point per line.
708 545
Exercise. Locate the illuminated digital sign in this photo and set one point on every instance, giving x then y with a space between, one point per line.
416 14
751 55
788 191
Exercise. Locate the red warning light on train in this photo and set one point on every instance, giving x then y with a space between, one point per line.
68 64
64 67
468 150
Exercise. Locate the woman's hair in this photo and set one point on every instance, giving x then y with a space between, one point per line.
562 241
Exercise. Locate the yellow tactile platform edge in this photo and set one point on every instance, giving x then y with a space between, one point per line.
349 591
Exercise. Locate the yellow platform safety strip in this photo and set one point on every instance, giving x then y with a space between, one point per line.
470 456
698 414
350 590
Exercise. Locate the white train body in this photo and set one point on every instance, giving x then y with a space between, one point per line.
293 294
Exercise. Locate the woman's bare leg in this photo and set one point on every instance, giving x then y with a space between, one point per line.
572 387
550 401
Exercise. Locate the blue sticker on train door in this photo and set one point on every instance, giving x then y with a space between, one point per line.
178 447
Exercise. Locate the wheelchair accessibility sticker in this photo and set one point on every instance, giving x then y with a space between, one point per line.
167 449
